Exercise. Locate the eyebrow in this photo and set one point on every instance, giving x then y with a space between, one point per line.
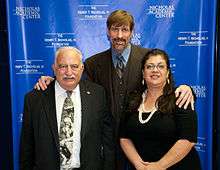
123 26
157 63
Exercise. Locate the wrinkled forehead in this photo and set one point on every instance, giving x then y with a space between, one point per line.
68 56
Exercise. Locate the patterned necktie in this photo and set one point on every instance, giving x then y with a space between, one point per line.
120 66
66 132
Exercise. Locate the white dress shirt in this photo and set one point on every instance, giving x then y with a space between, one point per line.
60 96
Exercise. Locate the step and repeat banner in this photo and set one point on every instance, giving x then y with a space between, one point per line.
185 29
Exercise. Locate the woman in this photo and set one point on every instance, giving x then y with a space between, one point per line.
155 134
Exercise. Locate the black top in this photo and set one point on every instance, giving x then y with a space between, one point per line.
154 138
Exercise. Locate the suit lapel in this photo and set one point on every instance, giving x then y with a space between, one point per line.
84 92
106 64
50 110
106 77
133 66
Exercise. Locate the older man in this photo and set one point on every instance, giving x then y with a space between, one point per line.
68 125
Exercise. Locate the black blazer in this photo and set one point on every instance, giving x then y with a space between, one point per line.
98 69
39 147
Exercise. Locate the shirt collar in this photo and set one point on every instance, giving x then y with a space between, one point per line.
61 91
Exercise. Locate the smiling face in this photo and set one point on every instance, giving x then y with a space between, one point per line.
120 26
155 72
68 67
119 36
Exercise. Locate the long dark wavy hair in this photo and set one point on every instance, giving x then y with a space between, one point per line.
166 102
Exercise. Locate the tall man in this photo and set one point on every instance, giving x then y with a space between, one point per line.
67 126
118 69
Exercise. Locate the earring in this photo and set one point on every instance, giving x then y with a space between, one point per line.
143 82
168 81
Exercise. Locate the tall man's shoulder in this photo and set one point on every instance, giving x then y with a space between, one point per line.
104 55
139 49
99 56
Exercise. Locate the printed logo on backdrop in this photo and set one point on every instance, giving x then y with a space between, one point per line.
29 66
161 11
27 12
201 144
173 64
200 91
20 117
136 39
93 12
52 40
193 38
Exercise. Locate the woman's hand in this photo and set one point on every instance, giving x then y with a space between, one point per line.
153 166
141 165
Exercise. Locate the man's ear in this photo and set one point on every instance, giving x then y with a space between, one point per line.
168 74
53 67
82 66
131 34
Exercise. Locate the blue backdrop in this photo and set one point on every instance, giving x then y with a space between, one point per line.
185 29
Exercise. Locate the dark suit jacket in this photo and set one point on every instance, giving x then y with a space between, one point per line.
39 147
98 69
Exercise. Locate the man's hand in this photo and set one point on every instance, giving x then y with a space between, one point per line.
184 96
43 82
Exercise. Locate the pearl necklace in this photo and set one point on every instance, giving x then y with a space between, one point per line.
143 110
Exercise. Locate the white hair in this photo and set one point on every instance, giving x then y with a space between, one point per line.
68 48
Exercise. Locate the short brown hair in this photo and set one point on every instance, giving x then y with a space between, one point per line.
119 18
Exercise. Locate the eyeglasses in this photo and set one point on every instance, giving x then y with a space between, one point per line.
123 29
64 67
152 66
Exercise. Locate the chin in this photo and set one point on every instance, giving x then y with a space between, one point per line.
69 86
120 48
157 85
